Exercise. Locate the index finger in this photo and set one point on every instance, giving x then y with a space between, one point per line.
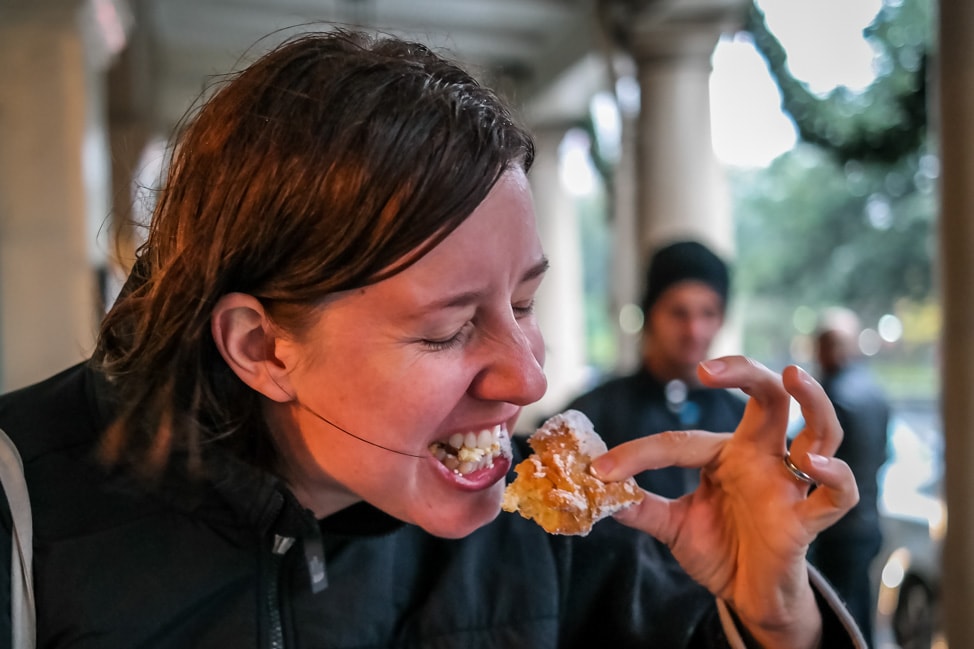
685 448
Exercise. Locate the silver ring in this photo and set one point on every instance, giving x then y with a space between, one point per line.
795 471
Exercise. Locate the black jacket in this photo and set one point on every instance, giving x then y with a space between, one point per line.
863 412
236 562
636 405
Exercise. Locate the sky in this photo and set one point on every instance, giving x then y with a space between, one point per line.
826 48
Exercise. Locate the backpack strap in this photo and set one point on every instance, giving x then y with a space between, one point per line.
22 615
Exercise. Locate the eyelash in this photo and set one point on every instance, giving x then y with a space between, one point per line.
523 311
453 342
460 337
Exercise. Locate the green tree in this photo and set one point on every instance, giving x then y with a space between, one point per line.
818 232
848 216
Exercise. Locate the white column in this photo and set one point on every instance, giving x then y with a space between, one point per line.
54 186
956 105
682 190
559 302
627 251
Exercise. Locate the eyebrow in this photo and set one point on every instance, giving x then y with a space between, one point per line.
467 297
536 271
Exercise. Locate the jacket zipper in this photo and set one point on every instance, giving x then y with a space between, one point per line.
281 545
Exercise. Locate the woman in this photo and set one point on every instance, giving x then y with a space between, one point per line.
336 291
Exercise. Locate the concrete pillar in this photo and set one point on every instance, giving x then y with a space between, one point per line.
678 186
559 304
628 260
681 190
955 85
54 183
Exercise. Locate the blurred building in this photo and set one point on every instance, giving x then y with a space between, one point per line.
90 88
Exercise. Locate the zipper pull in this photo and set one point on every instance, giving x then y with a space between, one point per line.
314 556
282 544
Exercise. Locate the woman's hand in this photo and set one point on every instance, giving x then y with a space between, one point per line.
745 530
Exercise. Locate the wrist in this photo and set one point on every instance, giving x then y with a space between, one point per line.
801 630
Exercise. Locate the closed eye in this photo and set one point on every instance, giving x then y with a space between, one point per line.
523 310
453 342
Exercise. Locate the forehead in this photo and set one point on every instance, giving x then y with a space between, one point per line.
502 228
689 293
491 250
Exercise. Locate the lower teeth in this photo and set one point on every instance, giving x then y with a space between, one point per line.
454 463
463 459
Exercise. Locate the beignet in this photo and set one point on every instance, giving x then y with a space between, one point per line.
555 486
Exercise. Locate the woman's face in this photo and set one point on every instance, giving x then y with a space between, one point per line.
423 362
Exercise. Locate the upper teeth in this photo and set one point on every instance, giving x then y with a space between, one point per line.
467 452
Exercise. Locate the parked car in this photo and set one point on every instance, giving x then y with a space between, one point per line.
908 611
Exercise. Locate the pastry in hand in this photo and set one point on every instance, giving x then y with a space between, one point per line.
555 485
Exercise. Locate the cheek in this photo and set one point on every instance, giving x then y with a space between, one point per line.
396 396
712 325
669 329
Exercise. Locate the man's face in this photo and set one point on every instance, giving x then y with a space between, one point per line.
832 350
681 326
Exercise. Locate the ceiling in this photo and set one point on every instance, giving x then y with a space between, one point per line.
541 53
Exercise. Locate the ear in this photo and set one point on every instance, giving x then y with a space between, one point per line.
245 339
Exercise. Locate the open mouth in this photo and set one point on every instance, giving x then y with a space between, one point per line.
465 453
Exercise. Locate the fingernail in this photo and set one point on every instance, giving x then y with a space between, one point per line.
818 461
714 366
601 467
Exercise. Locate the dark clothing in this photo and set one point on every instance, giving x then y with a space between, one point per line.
234 561
863 413
845 551
846 566
636 405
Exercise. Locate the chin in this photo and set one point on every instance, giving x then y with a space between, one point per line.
462 519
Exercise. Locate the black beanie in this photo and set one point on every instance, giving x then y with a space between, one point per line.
684 260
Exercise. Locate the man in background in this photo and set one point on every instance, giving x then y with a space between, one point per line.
845 551
684 304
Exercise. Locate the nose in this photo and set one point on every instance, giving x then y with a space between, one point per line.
696 327
701 327
512 367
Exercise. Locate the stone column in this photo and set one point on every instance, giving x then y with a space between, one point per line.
54 183
679 187
956 104
627 258
559 304
682 189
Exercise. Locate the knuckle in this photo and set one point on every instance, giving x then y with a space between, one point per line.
676 438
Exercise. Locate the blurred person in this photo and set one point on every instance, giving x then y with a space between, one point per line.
684 304
334 301
845 552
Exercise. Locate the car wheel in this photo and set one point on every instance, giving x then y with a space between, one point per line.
915 616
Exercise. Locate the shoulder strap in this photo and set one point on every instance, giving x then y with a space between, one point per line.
22 615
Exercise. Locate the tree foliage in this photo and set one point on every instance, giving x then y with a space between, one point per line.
885 122
854 233
848 216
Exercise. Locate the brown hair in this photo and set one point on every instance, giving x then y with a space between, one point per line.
332 162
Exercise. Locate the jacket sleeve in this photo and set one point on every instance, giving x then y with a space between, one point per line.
6 548
623 589
839 630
